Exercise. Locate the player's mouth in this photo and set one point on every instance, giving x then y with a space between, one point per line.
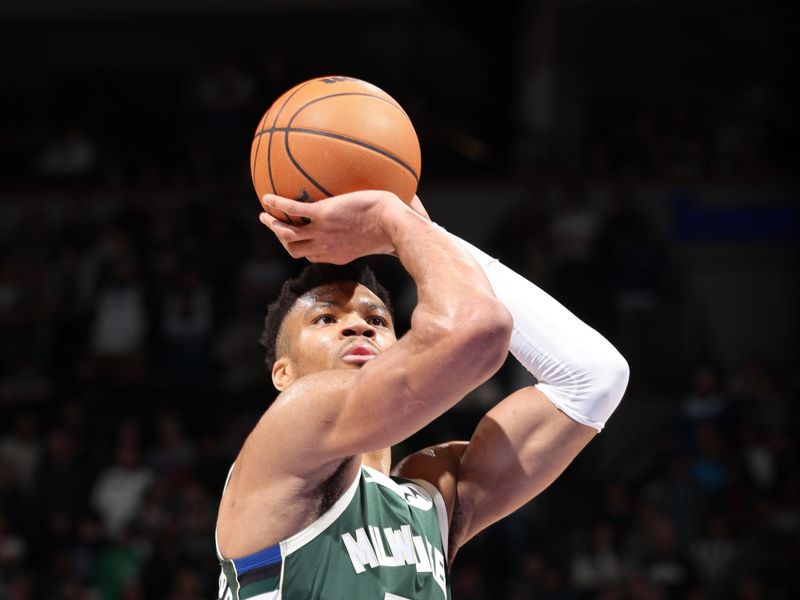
359 354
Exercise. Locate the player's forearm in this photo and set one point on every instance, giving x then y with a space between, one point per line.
447 278
577 368
454 296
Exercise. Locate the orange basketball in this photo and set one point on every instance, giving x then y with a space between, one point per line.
333 135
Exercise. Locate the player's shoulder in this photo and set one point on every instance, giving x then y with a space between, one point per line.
439 466
430 460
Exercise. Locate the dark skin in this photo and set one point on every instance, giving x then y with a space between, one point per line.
358 390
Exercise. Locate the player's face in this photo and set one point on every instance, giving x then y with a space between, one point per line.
341 325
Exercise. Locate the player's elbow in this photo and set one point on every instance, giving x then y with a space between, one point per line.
605 373
608 383
485 337
471 337
591 390
617 372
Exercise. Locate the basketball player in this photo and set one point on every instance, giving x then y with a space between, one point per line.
310 510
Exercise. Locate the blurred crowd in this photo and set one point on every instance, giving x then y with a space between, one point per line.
134 278
694 133
131 373
704 506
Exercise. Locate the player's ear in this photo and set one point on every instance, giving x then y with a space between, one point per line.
282 373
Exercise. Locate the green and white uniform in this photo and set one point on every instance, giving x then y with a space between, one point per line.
384 539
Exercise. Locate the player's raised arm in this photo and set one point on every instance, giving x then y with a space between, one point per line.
530 437
458 337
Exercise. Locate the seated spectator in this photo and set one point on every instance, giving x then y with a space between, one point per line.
717 555
68 154
120 322
174 453
13 548
22 449
120 487
598 565
62 477
186 320
236 348
663 563
705 401
14 503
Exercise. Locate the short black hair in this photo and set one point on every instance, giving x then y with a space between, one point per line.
312 276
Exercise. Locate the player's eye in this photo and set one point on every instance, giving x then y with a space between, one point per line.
324 320
377 321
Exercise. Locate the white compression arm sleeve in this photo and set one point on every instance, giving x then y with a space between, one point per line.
577 368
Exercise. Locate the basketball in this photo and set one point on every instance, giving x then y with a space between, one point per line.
332 135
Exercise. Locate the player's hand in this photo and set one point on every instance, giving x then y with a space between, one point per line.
341 229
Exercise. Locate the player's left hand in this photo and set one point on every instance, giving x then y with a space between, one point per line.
341 229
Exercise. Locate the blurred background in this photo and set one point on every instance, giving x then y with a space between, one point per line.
637 160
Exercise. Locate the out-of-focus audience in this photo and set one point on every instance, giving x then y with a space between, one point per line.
150 375
132 295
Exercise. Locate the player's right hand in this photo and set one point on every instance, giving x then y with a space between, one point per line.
339 229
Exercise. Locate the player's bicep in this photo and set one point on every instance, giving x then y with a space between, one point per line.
517 450
333 414
330 415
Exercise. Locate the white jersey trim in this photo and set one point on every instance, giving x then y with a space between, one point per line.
301 538
441 510
216 541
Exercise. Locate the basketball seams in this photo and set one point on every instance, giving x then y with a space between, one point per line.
388 101
274 190
302 107
323 173
269 125
258 145
289 97
273 128
269 145
341 137
357 142
299 168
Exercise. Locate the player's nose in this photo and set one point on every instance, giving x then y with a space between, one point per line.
357 326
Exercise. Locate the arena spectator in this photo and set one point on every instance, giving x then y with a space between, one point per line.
119 488
22 447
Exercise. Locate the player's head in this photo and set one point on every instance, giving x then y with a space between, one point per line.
327 317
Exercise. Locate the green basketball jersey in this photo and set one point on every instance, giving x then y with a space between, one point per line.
384 539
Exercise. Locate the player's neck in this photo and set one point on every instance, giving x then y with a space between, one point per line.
380 460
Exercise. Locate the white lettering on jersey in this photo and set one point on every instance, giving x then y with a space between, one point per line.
438 570
367 546
423 562
383 560
401 544
360 550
